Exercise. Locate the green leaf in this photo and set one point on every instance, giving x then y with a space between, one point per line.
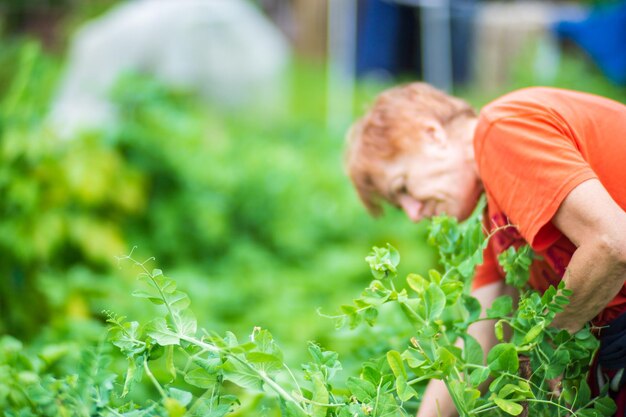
185 323
212 365
178 301
161 333
371 373
364 391
503 357
435 276
340 322
516 392
472 305
452 290
516 263
290 409
394 255
584 395
265 361
417 283
348 309
605 406
165 284
588 412
473 352
126 336
376 294
478 376
456 388
466 268
370 315
243 376
151 297
583 334
501 307
156 351
558 363
200 378
446 359
354 320
352 410
396 364
409 309
568 394
499 382
383 261
183 397
413 358
320 395
434 301
508 406
404 390
470 395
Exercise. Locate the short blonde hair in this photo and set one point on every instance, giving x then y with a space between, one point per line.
390 127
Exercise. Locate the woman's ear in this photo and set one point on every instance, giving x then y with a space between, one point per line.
434 133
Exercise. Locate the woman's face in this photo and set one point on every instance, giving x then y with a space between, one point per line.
438 178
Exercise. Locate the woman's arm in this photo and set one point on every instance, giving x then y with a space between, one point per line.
594 222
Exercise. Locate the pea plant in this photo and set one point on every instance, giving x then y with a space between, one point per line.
254 364
537 370
195 372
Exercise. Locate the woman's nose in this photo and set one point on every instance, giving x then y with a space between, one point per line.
411 207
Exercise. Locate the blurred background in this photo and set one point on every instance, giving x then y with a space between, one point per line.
208 134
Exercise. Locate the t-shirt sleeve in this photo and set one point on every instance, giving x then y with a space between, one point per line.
488 272
529 164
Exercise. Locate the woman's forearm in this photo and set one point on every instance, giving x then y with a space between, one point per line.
595 275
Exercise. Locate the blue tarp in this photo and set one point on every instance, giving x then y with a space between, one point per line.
603 36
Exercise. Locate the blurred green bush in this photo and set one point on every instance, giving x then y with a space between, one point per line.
254 217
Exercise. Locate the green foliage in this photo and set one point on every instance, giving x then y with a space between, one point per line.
195 372
207 193
206 360
460 246
516 264
28 386
441 309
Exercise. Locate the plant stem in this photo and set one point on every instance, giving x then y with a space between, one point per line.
110 410
201 344
569 410
152 378
462 411
482 409
420 379
295 381
279 390
417 316
306 400
201 398
377 396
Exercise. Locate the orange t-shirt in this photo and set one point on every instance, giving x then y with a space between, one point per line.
533 147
